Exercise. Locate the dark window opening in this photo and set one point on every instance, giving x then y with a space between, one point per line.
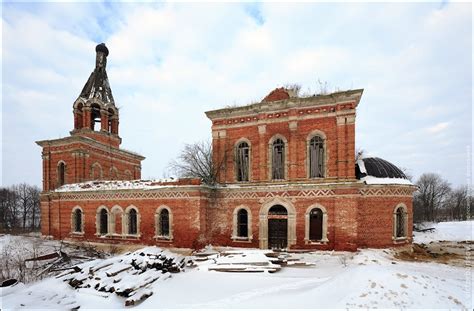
61 174
316 224
316 157
77 220
164 223
243 162
132 222
242 223
278 159
95 117
400 223
104 222
278 210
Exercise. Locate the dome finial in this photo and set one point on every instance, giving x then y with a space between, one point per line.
102 48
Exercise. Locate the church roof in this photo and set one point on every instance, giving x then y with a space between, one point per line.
379 171
97 86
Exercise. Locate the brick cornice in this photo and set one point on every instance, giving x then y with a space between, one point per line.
352 96
90 142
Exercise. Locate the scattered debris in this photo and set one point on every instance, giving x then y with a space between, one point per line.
129 275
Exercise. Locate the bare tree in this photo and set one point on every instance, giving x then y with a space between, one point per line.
195 161
457 204
19 207
431 195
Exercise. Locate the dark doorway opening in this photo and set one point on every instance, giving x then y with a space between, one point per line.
277 227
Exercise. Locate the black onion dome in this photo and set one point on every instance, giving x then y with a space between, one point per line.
102 48
379 168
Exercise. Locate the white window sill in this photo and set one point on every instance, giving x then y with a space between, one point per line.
399 240
77 233
163 238
317 242
242 239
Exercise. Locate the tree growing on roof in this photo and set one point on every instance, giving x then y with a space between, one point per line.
195 161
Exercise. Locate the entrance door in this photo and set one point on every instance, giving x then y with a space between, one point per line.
277 227
277 233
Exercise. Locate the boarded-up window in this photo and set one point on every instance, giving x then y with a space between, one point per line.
61 174
316 224
278 159
132 222
400 223
316 157
242 161
77 220
242 224
164 224
103 222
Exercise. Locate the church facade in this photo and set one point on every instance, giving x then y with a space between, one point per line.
287 179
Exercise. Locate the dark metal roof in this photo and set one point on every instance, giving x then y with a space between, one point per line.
97 86
380 168
102 48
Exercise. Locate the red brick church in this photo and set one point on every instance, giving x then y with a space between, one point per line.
288 178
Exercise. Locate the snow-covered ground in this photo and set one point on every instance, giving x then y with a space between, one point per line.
447 231
367 279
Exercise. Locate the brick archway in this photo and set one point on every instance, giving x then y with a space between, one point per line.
263 221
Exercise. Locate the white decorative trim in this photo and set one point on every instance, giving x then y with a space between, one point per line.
126 221
158 234
263 221
97 221
270 156
235 237
73 218
236 145
124 195
405 222
324 239
325 152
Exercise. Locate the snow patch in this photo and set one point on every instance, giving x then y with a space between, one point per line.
371 180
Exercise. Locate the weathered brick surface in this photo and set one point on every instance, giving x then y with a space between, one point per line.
357 215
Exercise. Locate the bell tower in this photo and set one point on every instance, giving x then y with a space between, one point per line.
92 151
95 114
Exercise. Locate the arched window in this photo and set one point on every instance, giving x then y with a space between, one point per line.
103 222
278 210
132 221
95 116
278 159
316 224
77 220
242 224
316 157
61 174
242 161
164 223
400 222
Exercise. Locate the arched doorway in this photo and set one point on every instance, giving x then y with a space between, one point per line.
277 227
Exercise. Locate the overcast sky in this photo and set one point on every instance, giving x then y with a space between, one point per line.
169 63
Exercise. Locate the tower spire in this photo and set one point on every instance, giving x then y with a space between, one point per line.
97 86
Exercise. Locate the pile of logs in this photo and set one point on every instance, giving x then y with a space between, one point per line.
129 275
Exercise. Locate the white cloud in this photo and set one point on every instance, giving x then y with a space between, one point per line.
169 63
437 128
